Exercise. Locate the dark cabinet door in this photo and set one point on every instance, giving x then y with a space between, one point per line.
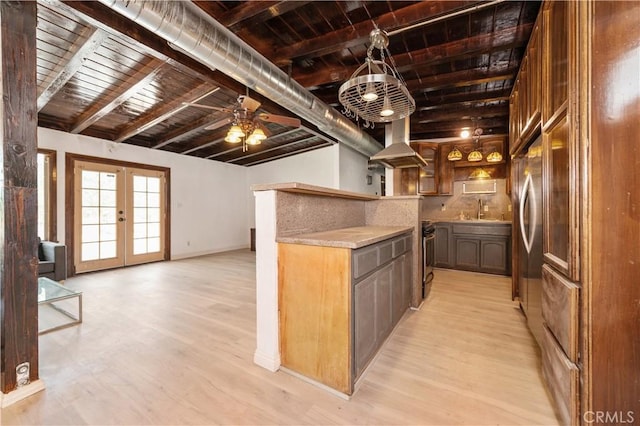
364 322
468 253
383 305
494 256
398 293
443 246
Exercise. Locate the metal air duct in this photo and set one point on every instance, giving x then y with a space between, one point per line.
191 30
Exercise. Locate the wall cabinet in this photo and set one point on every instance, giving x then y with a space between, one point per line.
337 306
525 103
439 175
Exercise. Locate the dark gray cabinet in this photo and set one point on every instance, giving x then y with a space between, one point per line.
474 246
382 293
443 249
467 252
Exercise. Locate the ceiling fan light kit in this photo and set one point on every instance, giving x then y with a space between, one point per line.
375 92
246 125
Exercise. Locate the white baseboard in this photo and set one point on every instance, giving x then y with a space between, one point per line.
269 362
21 393
207 252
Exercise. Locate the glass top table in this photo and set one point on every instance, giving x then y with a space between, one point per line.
55 303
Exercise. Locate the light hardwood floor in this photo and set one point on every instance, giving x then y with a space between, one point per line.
173 342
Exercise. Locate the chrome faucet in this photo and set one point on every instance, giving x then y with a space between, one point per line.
480 214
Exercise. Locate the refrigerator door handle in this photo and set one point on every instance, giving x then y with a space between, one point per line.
528 192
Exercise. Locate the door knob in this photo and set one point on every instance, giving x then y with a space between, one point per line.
121 219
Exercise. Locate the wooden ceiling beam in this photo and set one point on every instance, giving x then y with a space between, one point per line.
464 103
72 62
445 100
471 47
460 79
250 12
125 91
359 33
418 135
457 125
460 114
164 111
322 144
183 132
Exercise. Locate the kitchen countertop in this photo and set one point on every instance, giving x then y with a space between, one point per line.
352 238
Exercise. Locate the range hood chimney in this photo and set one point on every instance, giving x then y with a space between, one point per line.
398 154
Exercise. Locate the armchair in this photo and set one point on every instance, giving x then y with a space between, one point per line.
52 260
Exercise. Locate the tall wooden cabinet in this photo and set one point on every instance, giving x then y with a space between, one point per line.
590 122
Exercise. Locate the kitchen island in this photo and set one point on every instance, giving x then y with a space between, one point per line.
341 293
287 213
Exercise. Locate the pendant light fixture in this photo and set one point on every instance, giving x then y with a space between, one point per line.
454 155
376 92
494 157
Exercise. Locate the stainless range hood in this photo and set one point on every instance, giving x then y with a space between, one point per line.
398 154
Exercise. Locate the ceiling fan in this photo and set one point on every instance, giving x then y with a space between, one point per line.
247 124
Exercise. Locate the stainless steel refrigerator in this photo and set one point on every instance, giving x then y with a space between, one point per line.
528 224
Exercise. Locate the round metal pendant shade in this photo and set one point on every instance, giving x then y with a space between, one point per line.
375 91
387 88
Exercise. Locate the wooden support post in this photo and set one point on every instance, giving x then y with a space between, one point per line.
18 193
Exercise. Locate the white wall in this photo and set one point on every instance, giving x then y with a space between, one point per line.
209 203
354 172
318 167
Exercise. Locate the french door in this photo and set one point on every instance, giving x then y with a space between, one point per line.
119 216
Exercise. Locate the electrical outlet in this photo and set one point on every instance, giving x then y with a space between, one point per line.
509 207
443 208
22 374
486 208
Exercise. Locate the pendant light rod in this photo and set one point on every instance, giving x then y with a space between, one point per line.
464 11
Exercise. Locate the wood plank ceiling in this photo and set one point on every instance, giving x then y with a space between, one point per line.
102 75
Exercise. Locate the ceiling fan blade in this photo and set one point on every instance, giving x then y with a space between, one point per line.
219 123
248 103
280 119
207 107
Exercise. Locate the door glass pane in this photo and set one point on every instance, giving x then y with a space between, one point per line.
90 251
108 198
90 215
90 197
108 232
153 230
153 200
140 246
90 233
90 179
108 181
153 184
139 199
139 230
107 215
107 249
140 183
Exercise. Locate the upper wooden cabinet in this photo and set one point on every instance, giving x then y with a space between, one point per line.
556 58
525 103
428 176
